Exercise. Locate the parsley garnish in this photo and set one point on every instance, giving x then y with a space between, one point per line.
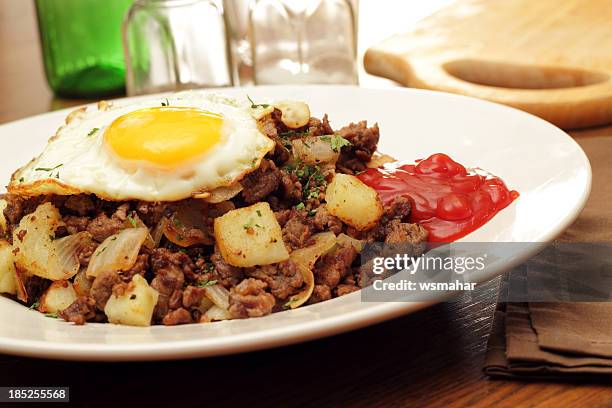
249 226
258 213
300 206
290 302
52 315
92 132
35 305
48 168
286 135
256 105
337 142
312 194
292 133
207 283
132 297
208 267
132 221
311 177
167 103
21 179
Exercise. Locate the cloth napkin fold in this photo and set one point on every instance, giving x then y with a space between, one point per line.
547 339
535 337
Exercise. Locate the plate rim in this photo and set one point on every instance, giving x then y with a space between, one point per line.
246 342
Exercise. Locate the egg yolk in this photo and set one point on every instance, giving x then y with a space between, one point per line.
164 136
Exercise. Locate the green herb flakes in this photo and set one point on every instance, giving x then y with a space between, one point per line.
49 169
337 142
207 283
257 105
132 221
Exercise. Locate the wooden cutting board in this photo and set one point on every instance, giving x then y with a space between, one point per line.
552 58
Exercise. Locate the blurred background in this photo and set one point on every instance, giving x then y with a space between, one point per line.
26 91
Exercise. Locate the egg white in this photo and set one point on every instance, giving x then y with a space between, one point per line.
76 160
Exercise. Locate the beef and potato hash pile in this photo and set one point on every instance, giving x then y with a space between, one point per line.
287 234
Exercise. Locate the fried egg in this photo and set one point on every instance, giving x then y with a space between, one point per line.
163 149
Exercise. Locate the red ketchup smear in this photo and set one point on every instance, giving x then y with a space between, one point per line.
448 200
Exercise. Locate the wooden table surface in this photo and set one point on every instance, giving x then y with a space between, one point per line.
430 358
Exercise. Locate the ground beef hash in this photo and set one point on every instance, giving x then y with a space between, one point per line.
295 192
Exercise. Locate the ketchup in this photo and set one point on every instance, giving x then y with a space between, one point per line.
448 200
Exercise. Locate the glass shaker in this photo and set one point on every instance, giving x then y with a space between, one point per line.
237 18
303 41
174 45
81 44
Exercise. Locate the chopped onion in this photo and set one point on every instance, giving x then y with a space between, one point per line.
307 256
304 295
118 252
305 259
187 226
205 304
215 313
314 150
134 221
345 240
158 231
218 295
66 263
82 284
22 293
221 194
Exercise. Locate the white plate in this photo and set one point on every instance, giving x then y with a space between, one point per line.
543 163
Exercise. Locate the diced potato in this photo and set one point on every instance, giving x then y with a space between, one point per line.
250 236
57 297
34 250
8 282
353 202
134 307
295 114
3 205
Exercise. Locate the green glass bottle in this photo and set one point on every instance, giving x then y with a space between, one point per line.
81 44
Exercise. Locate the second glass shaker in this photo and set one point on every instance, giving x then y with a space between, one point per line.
176 44
303 41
